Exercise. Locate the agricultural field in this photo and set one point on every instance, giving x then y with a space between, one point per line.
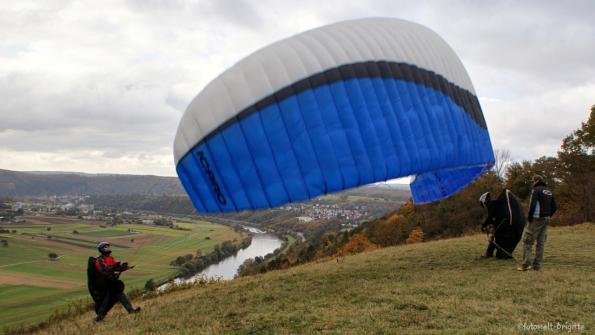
32 286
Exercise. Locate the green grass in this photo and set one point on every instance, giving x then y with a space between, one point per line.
20 250
107 233
47 285
24 304
439 287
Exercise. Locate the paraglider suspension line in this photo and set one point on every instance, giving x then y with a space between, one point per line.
493 240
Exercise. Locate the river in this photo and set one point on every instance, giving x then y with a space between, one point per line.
262 244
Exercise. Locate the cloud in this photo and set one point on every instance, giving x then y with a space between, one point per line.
545 40
239 12
534 126
100 86
89 161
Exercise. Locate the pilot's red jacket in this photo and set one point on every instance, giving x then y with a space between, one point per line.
106 265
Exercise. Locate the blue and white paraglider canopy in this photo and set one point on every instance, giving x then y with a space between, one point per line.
340 106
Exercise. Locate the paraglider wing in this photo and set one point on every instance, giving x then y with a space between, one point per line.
344 105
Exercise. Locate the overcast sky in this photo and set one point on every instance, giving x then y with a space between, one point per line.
99 86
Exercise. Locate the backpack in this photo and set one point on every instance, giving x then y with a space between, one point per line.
93 279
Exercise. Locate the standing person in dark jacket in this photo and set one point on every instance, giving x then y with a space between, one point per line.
541 208
108 271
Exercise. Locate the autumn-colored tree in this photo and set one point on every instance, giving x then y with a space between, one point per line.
358 243
391 231
576 171
519 175
416 236
407 208
327 246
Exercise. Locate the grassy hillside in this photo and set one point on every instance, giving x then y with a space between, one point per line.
32 286
428 288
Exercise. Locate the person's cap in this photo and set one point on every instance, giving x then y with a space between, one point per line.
537 178
484 198
101 248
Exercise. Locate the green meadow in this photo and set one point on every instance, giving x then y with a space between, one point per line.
32 286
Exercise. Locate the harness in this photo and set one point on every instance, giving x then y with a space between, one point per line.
492 235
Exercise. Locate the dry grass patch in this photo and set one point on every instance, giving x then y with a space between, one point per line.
23 279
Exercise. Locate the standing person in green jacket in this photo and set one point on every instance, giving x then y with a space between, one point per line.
541 208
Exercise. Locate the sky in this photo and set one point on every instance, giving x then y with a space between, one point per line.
100 86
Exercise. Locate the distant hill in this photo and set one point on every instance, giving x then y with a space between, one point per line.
396 192
19 184
42 183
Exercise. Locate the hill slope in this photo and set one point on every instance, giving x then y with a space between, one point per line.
427 288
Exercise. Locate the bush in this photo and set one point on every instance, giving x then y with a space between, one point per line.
358 243
150 285
416 236
180 260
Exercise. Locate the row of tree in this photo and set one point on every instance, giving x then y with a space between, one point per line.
142 202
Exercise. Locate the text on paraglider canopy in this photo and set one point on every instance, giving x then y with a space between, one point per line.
211 176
